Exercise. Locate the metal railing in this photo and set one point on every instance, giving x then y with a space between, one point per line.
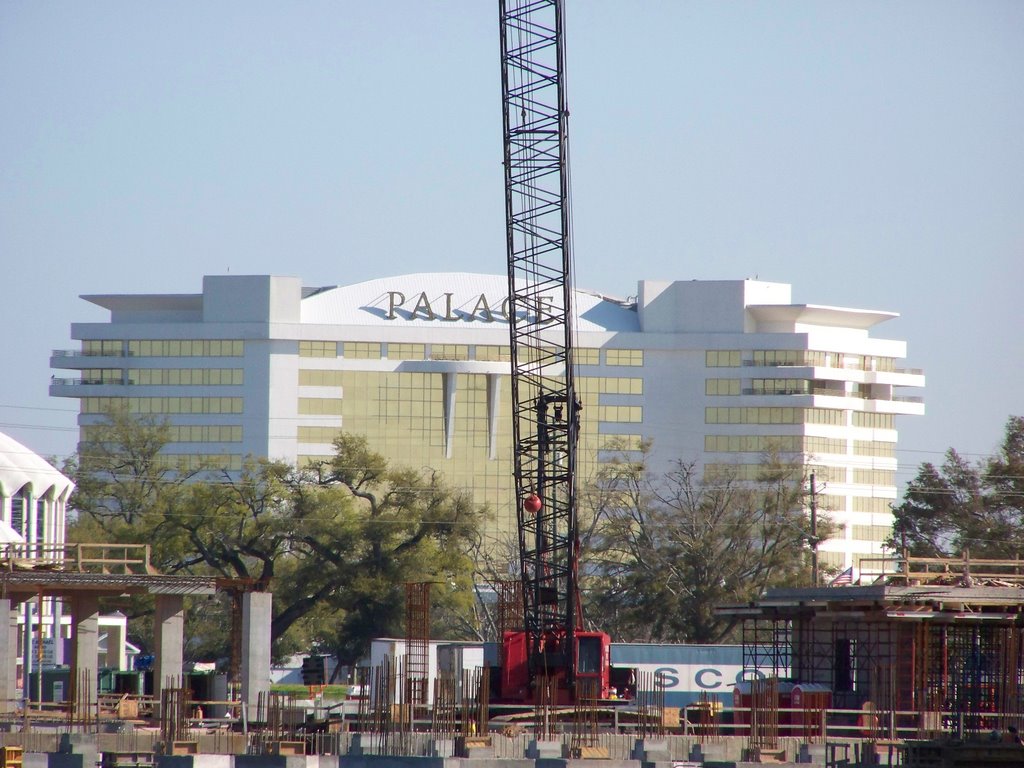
77 558
923 570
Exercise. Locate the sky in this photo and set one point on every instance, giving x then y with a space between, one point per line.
871 154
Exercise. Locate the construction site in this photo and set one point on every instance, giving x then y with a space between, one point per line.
921 666
915 662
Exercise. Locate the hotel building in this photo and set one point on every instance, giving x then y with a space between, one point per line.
711 371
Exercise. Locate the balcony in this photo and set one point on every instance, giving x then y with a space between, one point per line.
82 353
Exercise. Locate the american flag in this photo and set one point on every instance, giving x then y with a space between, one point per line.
844 578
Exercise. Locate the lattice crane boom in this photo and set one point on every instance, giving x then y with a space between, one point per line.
546 410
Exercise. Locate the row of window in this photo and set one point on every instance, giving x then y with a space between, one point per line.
825 474
773 415
780 443
195 461
179 433
142 405
366 350
186 376
782 387
164 347
717 387
874 476
871 504
874 420
872 532
622 442
874 448
734 358
628 414
605 385
102 375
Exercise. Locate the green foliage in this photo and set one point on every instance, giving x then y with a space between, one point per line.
334 542
963 506
665 550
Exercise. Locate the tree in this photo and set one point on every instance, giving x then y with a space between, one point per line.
962 506
335 542
121 477
665 550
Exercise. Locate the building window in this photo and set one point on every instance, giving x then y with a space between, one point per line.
826 474
620 443
586 356
179 433
873 420
634 357
615 386
103 348
770 358
398 351
830 416
102 376
449 352
186 348
763 415
874 476
871 504
361 350
167 405
632 414
752 443
835 445
875 448
872 532
715 387
781 387
190 462
318 349
722 358
172 377
493 353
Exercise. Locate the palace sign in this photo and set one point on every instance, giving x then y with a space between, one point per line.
402 307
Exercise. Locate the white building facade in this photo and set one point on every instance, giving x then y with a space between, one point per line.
714 372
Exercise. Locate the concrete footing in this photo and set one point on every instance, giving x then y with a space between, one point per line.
358 750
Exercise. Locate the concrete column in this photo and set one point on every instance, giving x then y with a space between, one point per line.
85 635
28 521
255 668
169 642
58 632
49 506
60 520
8 654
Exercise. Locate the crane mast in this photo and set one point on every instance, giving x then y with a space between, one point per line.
545 407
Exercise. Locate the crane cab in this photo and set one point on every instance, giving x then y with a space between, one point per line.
590 658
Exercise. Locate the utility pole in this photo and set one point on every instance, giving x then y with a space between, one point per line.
814 533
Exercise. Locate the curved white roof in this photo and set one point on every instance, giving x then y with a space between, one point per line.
20 467
456 294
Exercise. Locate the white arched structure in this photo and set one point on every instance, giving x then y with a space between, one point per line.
33 500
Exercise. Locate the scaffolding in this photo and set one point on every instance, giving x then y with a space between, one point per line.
949 650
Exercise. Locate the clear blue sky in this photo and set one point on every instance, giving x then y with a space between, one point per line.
869 153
